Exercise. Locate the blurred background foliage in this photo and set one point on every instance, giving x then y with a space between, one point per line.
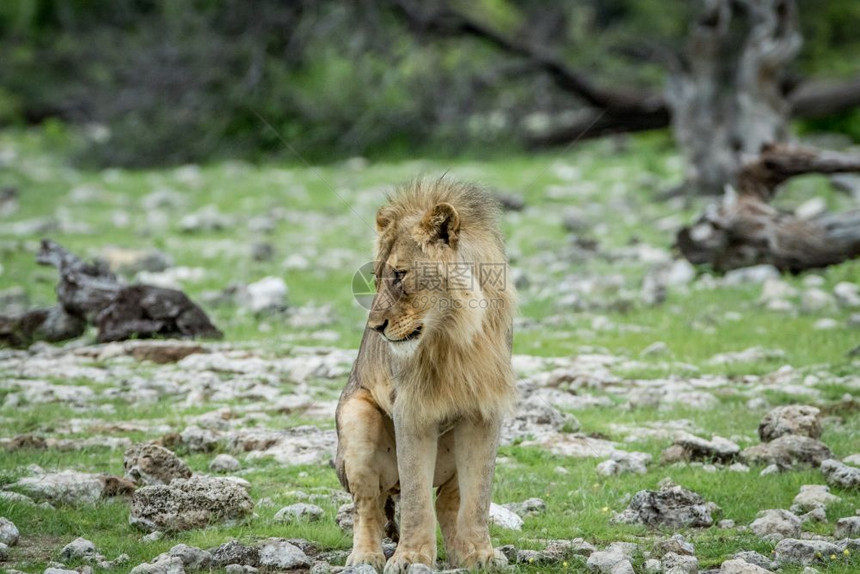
152 82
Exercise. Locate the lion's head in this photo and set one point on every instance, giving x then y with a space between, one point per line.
441 269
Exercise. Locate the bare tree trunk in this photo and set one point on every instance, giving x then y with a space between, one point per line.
746 230
727 101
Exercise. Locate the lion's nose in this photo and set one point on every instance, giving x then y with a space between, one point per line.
379 327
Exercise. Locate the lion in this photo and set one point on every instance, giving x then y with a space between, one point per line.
423 405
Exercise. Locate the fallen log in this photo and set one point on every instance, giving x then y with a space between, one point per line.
746 230
88 293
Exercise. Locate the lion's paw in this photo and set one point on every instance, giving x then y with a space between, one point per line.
482 558
403 559
372 558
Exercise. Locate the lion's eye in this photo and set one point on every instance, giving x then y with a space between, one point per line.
399 275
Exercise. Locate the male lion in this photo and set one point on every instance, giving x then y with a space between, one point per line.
432 381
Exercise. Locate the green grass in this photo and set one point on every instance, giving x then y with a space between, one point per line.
327 212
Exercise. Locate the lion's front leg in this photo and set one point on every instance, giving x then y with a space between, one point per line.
416 461
476 443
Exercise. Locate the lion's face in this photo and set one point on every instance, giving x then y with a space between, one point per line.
415 276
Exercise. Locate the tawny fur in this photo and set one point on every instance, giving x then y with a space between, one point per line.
439 368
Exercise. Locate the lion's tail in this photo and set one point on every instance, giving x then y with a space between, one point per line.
391 530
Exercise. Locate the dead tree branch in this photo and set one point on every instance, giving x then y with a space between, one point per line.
746 230
90 293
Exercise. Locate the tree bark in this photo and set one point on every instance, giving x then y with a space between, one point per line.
746 230
90 293
727 102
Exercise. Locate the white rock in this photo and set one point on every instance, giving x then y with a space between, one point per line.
656 348
847 294
267 293
8 532
776 524
775 288
165 565
65 487
278 553
299 511
825 324
224 463
848 527
813 496
741 567
811 208
504 518
816 299
623 462
852 459
757 274
77 549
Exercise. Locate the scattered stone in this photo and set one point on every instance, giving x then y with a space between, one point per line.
848 527
162 352
739 467
165 565
346 517
267 294
811 208
207 218
299 511
245 569
770 469
55 570
811 497
814 300
79 548
64 487
735 566
815 515
689 447
839 474
653 566
803 552
4 553
726 523
224 463
504 518
278 553
527 508
537 418
757 274
655 349
609 562
8 532
192 558
852 459
802 420
825 324
680 563
150 464
234 552
755 558
847 294
672 506
197 439
751 355
511 201
622 462
788 450
776 524
675 544
189 503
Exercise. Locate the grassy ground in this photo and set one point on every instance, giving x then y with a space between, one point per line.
324 214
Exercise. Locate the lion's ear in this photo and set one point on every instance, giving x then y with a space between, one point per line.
439 226
383 220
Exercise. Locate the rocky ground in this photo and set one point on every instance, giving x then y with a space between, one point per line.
671 420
